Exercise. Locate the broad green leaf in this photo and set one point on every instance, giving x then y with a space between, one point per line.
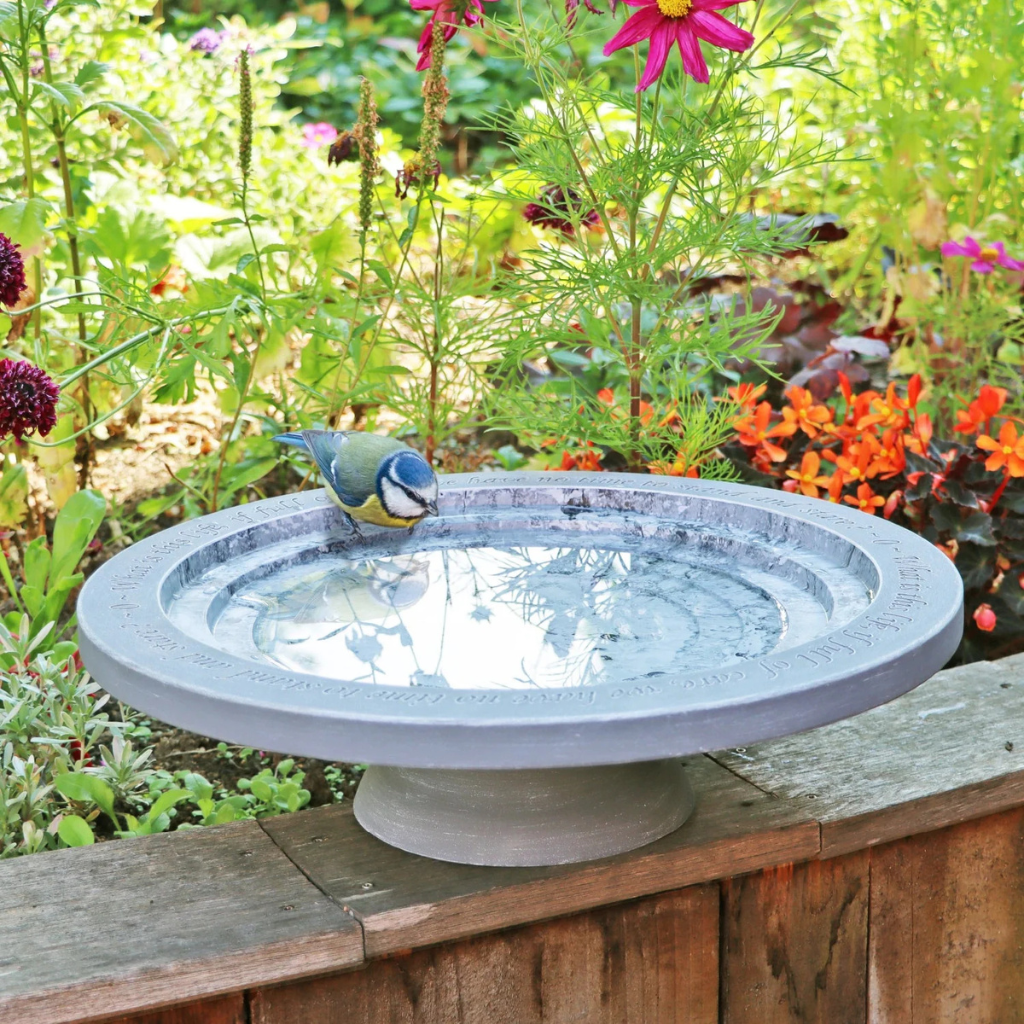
157 141
248 472
262 791
197 785
84 788
91 71
165 802
13 495
24 221
65 94
75 831
32 598
76 525
37 563
57 596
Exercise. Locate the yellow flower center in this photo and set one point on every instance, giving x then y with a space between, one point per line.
1007 450
675 8
986 253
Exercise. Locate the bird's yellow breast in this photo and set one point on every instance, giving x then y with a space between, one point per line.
371 511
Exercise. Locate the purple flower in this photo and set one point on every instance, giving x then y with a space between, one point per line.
319 134
985 257
555 207
206 40
12 272
28 399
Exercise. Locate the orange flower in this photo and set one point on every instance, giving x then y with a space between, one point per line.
866 500
1008 451
806 477
892 503
890 411
607 397
835 486
755 430
586 458
746 395
920 436
804 414
890 459
859 462
677 468
988 403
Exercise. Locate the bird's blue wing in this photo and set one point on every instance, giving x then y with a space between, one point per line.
328 448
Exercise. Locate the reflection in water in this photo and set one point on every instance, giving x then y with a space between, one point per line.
503 617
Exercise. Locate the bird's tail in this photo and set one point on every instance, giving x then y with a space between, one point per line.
295 439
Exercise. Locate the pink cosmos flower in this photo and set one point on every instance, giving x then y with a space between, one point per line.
451 14
685 23
319 134
985 257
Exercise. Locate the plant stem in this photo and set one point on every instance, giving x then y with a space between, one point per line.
435 346
137 339
24 106
634 355
57 128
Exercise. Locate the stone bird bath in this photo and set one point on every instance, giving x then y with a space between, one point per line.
523 673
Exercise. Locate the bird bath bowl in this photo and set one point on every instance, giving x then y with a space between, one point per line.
524 672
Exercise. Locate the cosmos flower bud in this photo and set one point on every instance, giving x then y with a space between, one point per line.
12 271
28 399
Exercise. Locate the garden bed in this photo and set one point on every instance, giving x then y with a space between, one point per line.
868 870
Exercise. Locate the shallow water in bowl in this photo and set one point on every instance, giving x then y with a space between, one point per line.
512 617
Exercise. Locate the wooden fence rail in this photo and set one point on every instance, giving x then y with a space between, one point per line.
869 872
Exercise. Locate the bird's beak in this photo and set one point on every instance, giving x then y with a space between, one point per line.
432 508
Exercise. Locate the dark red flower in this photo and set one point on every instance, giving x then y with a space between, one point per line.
28 399
12 272
413 176
555 207
344 147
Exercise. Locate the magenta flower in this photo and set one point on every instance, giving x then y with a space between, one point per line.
319 134
985 257
12 271
685 23
451 14
28 399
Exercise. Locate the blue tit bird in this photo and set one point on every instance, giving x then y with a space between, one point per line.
372 479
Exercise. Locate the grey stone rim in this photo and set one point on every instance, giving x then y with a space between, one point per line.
912 627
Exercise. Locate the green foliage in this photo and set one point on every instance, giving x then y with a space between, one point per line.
49 571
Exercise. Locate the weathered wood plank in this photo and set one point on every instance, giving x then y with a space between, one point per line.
947 926
133 925
654 961
404 901
794 944
949 750
226 1010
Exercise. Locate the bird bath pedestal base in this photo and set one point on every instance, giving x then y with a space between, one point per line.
533 662
527 817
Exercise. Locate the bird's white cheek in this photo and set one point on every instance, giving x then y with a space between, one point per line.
398 503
